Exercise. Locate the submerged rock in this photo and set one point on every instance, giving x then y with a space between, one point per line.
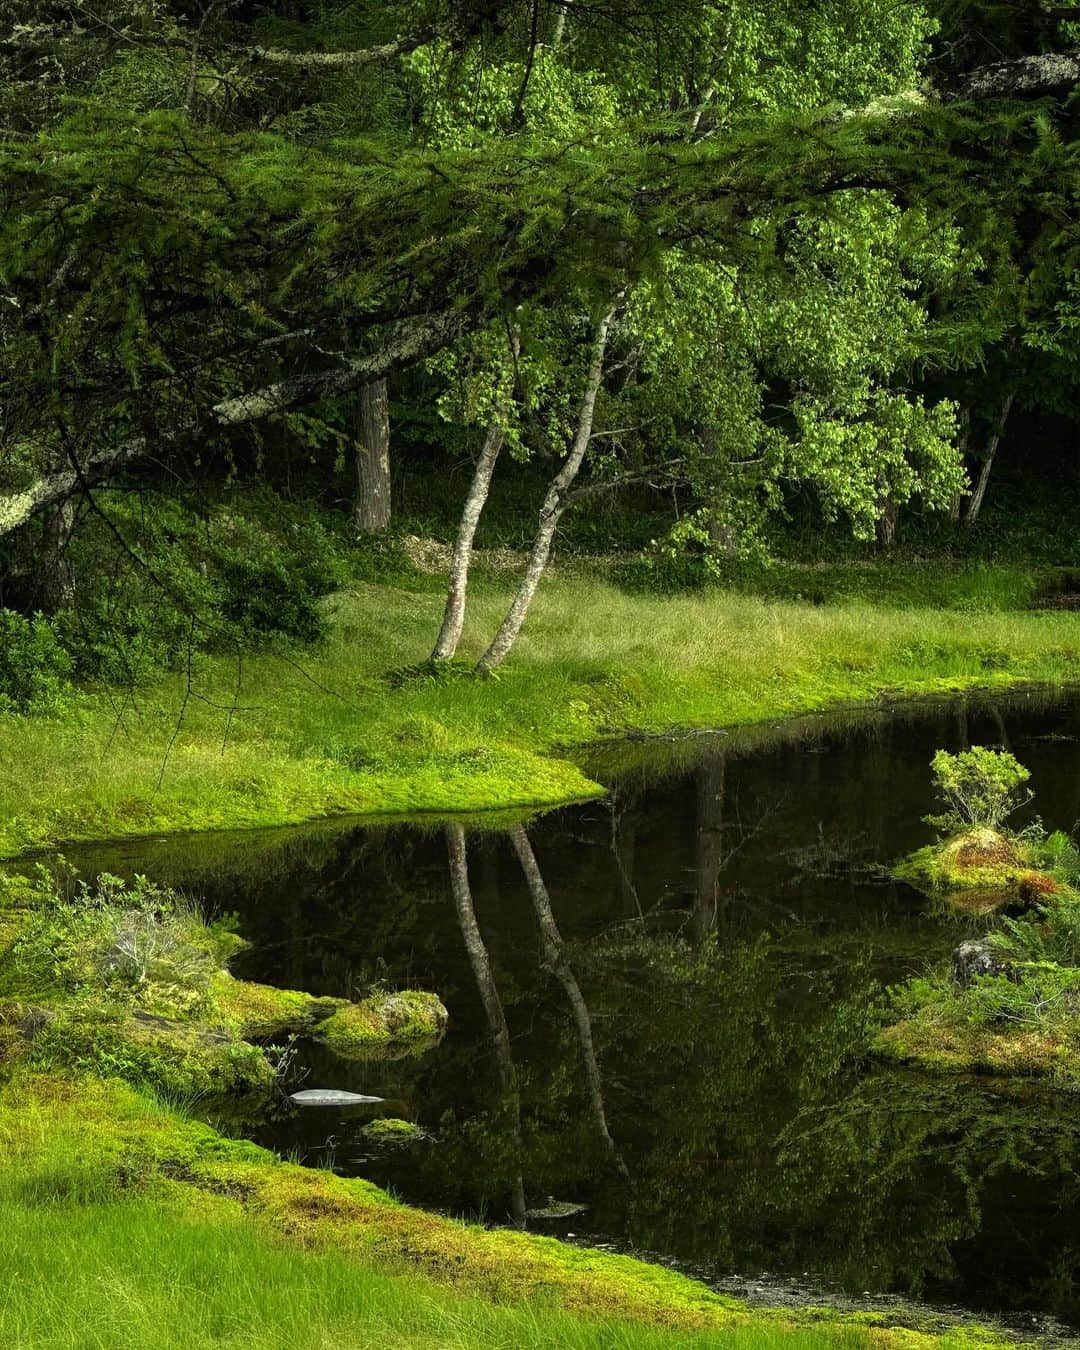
330 1097
556 1209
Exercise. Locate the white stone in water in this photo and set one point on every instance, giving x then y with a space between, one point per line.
330 1097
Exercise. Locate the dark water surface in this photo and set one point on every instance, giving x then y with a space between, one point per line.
731 930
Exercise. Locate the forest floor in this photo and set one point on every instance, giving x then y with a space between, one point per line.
361 726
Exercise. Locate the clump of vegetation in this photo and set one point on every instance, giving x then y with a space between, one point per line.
385 1026
232 575
390 1132
978 866
981 788
130 981
1011 1003
35 669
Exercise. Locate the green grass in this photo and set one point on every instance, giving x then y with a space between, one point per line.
594 660
126 1225
132 1274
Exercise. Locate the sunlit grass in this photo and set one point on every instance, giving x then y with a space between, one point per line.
325 731
136 1275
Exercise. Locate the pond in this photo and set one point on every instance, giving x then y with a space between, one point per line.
731 929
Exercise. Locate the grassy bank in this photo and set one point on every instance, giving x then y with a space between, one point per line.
327 731
127 1225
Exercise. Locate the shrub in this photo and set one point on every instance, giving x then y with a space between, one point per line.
980 787
35 669
231 575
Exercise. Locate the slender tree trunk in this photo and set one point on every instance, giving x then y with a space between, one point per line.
556 960
454 614
710 847
886 523
558 32
975 505
553 507
372 511
489 994
964 421
56 577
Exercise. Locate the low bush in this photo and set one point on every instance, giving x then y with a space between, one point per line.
35 668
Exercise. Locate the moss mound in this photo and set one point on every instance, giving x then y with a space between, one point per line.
389 1132
979 870
385 1026
261 1010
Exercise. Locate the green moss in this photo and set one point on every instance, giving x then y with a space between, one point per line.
179 1060
390 1132
128 983
260 1010
385 1026
965 1048
87 1136
979 870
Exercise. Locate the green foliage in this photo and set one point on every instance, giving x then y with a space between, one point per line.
980 787
35 668
238 574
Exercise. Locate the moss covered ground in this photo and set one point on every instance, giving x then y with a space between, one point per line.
131 982
981 870
124 1220
359 726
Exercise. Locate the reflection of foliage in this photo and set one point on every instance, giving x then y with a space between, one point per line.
726 1064
893 1176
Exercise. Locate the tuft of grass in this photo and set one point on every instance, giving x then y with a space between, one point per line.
297 737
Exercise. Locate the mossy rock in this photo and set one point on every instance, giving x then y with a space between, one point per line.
979 871
261 1010
385 1026
388 1132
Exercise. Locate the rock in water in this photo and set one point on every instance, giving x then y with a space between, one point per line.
977 957
330 1097
556 1209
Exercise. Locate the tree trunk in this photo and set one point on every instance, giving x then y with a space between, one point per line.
964 421
886 522
710 847
454 614
556 961
372 511
56 587
489 994
975 505
553 507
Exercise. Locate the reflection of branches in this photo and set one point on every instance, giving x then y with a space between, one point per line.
624 875
556 961
489 994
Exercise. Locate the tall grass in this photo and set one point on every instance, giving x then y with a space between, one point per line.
297 736
135 1275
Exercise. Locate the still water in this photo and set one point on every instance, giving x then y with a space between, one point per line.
731 928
